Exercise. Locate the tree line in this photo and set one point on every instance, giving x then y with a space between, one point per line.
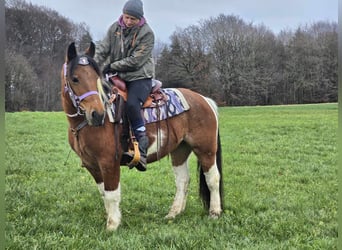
238 63
36 41
225 58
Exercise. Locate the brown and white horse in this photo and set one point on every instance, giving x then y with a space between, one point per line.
91 135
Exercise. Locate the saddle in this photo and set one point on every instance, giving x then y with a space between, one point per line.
156 97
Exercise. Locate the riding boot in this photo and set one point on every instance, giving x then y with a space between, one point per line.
143 143
143 146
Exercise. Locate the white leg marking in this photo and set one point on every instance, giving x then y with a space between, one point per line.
111 202
182 179
100 186
212 177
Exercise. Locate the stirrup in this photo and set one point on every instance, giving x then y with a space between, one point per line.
133 158
127 157
136 155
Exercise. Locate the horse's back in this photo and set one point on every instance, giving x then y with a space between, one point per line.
201 107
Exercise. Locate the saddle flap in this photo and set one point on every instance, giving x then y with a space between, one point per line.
118 82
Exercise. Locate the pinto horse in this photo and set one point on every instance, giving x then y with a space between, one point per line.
92 136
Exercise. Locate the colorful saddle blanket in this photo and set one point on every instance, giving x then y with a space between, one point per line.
175 105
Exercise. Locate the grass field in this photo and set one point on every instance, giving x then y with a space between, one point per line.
280 179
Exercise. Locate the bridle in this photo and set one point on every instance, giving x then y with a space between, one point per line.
75 99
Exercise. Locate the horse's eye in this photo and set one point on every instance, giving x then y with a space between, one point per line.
74 79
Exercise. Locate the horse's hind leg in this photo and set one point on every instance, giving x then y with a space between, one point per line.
212 178
182 179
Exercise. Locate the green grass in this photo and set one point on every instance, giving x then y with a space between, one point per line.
280 177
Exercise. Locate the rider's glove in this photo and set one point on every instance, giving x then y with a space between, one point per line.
108 70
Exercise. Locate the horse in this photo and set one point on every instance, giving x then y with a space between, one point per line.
92 136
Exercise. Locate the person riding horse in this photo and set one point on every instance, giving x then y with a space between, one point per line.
128 47
193 128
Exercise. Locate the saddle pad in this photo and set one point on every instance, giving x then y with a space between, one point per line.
175 105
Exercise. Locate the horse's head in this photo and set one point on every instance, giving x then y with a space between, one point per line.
80 79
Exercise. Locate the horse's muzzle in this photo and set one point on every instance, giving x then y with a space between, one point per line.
97 119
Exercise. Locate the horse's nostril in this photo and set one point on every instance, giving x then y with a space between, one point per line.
97 118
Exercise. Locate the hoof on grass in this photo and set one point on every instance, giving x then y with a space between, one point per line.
170 217
112 226
214 215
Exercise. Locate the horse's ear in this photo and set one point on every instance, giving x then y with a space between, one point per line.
72 53
91 50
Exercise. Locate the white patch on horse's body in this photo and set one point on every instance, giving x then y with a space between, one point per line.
158 142
212 177
182 179
213 106
111 202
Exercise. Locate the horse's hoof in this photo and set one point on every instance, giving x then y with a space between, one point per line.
214 215
112 226
170 217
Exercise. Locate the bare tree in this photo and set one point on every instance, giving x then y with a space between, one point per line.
234 62
238 63
20 80
40 35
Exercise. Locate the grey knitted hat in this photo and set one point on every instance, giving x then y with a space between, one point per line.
134 8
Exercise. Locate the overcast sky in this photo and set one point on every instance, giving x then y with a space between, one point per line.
165 15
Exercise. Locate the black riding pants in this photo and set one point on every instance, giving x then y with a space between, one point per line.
138 92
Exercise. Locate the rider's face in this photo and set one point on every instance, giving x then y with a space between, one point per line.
130 21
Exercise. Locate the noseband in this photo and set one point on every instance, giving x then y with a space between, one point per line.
76 100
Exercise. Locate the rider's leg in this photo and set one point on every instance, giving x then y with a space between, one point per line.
138 92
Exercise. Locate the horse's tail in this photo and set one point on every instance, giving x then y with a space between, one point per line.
203 187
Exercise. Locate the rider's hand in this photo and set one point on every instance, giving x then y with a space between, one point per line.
108 70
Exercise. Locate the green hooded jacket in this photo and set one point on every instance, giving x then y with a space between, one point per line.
129 51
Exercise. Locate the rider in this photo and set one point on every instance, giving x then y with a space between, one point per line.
128 48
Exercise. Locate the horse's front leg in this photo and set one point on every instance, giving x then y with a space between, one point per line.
95 171
112 202
182 179
112 195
